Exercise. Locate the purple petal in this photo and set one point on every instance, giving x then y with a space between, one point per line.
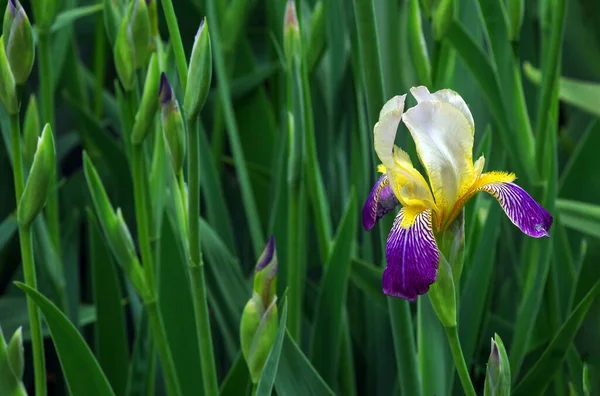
412 258
521 209
381 200
267 255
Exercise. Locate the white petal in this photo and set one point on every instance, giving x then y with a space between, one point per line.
422 94
444 140
385 129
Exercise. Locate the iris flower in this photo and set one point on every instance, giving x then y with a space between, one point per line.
442 127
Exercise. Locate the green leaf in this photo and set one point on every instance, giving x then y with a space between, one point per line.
82 372
296 376
178 310
536 380
367 278
7 229
111 333
265 385
580 216
237 381
332 296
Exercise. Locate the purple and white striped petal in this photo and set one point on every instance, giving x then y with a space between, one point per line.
381 200
521 209
412 257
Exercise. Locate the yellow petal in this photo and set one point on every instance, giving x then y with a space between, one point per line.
444 138
385 129
408 184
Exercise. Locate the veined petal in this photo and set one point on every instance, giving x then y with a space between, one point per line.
444 139
422 94
521 208
412 257
381 200
385 129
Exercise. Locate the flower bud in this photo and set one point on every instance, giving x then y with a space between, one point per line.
44 12
12 364
113 16
497 377
172 123
442 18
18 41
442 294
115 229
8 89
199 73
144 118
516 10
31 131
291 31
259 322
132 45
40 180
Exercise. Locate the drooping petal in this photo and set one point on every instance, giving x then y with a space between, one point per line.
412 257
521 208
385 129
444 139
381 200
422 94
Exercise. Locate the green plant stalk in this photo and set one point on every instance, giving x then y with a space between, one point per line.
248 200
294 271
47 110
25 239
459 360
161 342
176 42
404 347
196 266
99 64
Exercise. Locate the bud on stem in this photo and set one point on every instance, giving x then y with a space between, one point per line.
144 118
172 123
12 364
40 180
31 131
18 41
8 88
497 378
199 73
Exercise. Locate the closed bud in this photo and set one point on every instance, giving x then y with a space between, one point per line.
113 15
8 89
516 10
144 118
11 365
44 12
442 18
40 180
18 41
31 131
132 45
115 229
291 31
259 322
199 73
16 354
497 377
442 294
172 124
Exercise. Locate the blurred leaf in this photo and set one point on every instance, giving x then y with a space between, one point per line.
265 385
367 278
296 376
327 328
7 229
111 333
178 310
580 216
82 372
141 365
237 381
581 94
536 380
71 16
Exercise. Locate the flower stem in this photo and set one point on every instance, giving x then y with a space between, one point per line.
196 266
176 42
47 110
161 342
27 259
459 360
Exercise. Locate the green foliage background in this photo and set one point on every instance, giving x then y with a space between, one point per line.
538 295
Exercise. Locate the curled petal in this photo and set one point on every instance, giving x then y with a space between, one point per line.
412 257
385 129
422 94
381 200
521 209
